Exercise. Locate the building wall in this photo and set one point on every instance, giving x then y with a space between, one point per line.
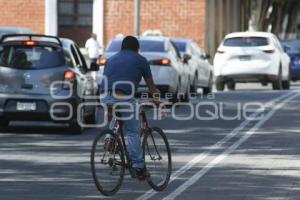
118 18
205 21
180 18
29 13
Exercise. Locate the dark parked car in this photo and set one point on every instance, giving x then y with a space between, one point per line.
29 67
292 48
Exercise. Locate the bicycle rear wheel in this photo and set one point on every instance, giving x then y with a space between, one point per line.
107 162
158 161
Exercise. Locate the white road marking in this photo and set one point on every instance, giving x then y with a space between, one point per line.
228 151
202 156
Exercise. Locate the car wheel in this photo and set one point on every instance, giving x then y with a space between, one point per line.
231 85
294 79
207 90
92 118
286 85
4 123
220 85
174 98
185 97
277 84
193 88
75 126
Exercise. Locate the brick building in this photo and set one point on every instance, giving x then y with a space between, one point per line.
205 21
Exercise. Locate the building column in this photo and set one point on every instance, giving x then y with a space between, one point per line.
210 36
51 17
98 19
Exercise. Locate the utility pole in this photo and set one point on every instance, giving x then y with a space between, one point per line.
137 8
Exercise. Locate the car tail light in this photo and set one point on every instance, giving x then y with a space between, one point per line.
164 61
69 78
220 52
102 61
69 75
269 51
30 43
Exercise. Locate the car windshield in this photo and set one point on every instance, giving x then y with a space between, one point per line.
35 57
181 46
145 46
246 42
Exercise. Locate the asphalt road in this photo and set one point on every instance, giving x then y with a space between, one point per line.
240 159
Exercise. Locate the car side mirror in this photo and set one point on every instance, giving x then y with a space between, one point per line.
186 58
94 67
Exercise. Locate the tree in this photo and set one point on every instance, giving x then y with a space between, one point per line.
277 16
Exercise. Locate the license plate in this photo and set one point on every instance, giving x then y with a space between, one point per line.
21 106
245 58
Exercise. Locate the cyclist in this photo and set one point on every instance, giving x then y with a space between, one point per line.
128 66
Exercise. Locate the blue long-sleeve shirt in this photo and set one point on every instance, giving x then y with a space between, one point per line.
127 66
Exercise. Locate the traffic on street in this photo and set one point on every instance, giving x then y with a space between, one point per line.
97 105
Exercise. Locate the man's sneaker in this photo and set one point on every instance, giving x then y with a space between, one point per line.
140 173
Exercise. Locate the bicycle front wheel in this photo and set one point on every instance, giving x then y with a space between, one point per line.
107 163
157 156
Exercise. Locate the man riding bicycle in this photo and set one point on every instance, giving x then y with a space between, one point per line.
123 73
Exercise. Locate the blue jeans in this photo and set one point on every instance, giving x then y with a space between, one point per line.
131 127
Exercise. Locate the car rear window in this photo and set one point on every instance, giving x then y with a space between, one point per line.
246 42
35 57
145 46
152 46
181 46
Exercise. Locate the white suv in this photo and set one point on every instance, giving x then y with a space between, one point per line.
251 57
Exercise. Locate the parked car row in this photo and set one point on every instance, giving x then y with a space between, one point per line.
48 76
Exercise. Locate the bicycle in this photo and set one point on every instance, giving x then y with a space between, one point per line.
114 157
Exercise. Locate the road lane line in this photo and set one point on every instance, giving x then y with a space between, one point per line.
228 151
219 144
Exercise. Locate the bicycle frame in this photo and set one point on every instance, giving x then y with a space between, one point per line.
118 129
116 146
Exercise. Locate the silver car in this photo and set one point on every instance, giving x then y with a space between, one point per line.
44 78
165 62
197 65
